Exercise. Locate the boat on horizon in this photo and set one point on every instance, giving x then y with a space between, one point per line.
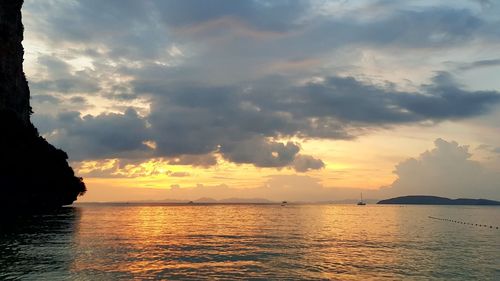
361 202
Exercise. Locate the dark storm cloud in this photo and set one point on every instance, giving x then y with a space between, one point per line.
235 110
197 121
60 78
349 100
206 160
352 101
277 108
245 123
97 137
448 101
241 122
260 152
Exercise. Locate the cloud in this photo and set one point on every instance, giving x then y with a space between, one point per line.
448 101
97 137
65 86
121 168
304 163
260 152
480 64
78 100
60 77
243 124
122 51
179 174
276 188
189 123
489 148
46 99
204 160
447 170
140 31
120 194
276 15
353 101
114 29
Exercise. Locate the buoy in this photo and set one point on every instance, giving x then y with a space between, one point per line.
463 222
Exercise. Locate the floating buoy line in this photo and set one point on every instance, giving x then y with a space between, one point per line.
466 223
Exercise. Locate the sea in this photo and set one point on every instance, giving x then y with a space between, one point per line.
253 242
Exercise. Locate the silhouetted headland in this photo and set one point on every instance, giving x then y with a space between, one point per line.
33 173
435 200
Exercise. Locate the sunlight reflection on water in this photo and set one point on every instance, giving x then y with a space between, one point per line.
104 242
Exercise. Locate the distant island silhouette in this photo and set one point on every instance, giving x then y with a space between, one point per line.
234 200
435 200
202 200
33 173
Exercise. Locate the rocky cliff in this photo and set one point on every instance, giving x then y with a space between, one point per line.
14 92
33 173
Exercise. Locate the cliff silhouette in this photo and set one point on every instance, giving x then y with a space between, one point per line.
33 173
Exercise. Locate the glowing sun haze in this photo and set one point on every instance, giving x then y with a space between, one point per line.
283 100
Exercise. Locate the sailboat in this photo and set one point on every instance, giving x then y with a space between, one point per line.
361 202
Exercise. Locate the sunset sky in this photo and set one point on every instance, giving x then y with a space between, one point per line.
284 100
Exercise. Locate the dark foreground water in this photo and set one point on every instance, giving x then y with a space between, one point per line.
340 242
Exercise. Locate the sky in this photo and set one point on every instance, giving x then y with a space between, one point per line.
283 100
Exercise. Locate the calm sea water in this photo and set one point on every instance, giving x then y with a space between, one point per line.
311 242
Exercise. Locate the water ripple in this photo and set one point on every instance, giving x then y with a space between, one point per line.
251 242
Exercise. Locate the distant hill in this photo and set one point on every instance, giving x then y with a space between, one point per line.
205 200
343 201
232 201
202 200
435 200
246 200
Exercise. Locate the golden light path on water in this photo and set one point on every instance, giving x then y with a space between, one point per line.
273 242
